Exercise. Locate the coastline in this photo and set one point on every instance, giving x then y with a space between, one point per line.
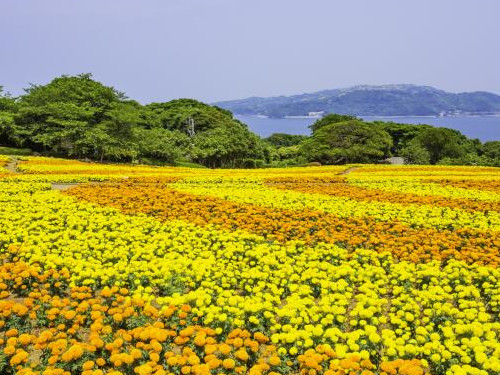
371 116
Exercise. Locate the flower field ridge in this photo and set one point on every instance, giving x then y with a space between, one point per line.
163 270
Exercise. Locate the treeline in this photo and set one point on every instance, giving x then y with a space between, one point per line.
341 139
76 116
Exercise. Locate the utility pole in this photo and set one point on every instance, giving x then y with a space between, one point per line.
191 133
190 126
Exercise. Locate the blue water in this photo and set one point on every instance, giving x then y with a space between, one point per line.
486 128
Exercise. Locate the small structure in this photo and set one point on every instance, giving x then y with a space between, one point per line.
395 160
316 114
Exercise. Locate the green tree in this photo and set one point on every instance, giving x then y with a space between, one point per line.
161 144
285 140
227 147
401 134
331 118
176 115
441 143
216 139
76 115
347 142
414 153
8 108
114 137
491 151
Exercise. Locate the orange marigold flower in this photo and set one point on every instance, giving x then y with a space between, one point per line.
11 332
9 350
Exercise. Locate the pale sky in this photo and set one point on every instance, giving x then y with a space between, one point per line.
157 50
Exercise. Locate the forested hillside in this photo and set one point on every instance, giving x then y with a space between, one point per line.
388 100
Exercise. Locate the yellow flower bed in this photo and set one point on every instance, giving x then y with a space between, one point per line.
87 288
423 188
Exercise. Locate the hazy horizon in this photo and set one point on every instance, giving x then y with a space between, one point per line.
215 50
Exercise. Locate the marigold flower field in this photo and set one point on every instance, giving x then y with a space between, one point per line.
340 270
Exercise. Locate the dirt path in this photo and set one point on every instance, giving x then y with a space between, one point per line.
12 164
62 187
347 171
12 167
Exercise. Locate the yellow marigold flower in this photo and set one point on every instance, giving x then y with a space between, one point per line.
228 363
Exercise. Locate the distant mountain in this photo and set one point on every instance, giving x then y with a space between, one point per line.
387 100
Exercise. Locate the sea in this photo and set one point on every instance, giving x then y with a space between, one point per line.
485 128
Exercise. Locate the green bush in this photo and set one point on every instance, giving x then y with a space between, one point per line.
15 151
187 164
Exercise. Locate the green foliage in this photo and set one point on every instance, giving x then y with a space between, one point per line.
441 143
329 119
186 164
8 108
285 149
492 150
15 151
226 146
7 103
414 153
113 138
212 137
466 159
347 142
285 140
174 115
401 134
288 156
488 154
76 116
161 144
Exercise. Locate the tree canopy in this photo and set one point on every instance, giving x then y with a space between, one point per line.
78 116
285 140
440 143
347 142
331 118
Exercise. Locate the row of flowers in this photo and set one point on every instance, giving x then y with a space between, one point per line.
400 191
415 215
157 198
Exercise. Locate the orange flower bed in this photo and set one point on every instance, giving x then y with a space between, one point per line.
403 241
323 361
44 324
46 327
